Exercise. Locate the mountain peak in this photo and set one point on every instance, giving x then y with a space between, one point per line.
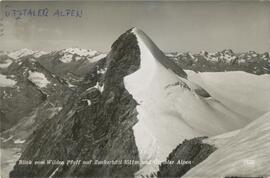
134 29
80 51
157 53
16 54
165 95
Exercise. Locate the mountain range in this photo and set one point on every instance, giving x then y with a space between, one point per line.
135 103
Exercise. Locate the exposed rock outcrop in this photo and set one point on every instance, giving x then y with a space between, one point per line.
101 130
185 156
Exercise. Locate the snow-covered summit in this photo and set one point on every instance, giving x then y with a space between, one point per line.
158 54
39 79
225 56
80 52
6 82
245 154
169 110
3 53
25 52
76 54
226 60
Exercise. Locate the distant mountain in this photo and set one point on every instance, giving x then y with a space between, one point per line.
137 104
30 94
96 122
26 79
25 52
225 60
5 61
71 64
31 85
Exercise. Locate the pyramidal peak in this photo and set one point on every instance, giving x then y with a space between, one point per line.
156 52
166 99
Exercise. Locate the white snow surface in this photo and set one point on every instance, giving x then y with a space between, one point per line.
38 54
241 92
19 141
97 57
38 79
245 155
220 140
102 71
6 63
66 58
97 86
80 52
88 102
170 113
6 82
92 55
25 52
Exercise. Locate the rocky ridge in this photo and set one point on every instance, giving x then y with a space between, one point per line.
225 60
98 129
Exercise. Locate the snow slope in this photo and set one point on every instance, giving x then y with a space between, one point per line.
220 140
97 58
5 82
38 79
78 53
245 155
81 52
169 111
66 58
25 52
8 159
244 93
5 63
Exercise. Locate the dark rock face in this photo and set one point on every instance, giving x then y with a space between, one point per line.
193 150
95 124
4 60
202 92
25 97
72 71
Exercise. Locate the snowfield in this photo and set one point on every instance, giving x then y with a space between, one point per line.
241 92
19 141
220 140
92 55
169 110
97 86
80 52
66 58
5 82
97 58
38 79
25 52
246 154
6 63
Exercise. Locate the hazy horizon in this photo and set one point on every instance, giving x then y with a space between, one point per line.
173 26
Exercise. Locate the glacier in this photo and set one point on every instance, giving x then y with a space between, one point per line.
169 109
244 153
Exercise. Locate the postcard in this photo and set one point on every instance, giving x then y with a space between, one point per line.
135 89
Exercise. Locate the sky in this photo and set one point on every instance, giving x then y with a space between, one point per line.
173 26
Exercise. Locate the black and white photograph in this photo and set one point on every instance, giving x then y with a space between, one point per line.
143 89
